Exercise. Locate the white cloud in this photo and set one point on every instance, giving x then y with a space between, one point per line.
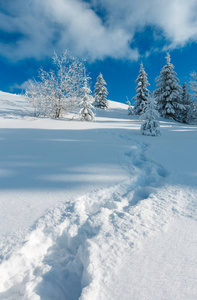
48 25
25 85
176 18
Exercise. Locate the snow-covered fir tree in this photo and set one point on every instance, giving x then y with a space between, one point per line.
150 126
168 94
100 93
185 94
186 114
193 84
142 92
86 113
193 88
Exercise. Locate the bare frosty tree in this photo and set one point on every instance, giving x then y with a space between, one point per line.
130 108
60 89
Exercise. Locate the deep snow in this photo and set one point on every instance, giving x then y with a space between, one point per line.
96 210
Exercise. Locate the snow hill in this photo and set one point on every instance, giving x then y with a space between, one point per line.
95 210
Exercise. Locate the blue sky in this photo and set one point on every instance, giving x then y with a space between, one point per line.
115 37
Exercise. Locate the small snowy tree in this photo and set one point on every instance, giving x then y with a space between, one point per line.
168 94
86 113
150 126
58 90
34 96
142 92
193 84
186 115
193 88
130 108
100 93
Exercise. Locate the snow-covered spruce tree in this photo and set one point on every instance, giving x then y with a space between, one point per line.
142 92
193 84
193 88
58 90
168 94
150 126
86 113
100 93
187 114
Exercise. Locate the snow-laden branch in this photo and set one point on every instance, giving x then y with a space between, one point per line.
58 90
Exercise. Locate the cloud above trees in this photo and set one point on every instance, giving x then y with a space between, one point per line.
95 29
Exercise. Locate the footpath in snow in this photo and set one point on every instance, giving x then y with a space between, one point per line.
116 211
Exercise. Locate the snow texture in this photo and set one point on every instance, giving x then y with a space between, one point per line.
95 210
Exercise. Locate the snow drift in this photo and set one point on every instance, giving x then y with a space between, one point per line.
96 210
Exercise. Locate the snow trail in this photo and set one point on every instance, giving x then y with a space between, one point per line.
76 247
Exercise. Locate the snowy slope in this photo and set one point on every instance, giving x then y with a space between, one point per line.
96 210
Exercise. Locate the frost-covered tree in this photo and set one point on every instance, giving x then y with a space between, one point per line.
58 90
168 94
34 96
150 126
130 108
86 113
193 88
193 84
142 92
100 93
185 94
186 115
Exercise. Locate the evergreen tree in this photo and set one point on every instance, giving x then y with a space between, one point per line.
185 94
142 91
100 93
193 84
193 88
86 113
186 114
168 94
150 125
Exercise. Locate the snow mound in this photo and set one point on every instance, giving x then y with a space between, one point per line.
13 106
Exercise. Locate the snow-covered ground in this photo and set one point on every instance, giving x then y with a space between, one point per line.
96 211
